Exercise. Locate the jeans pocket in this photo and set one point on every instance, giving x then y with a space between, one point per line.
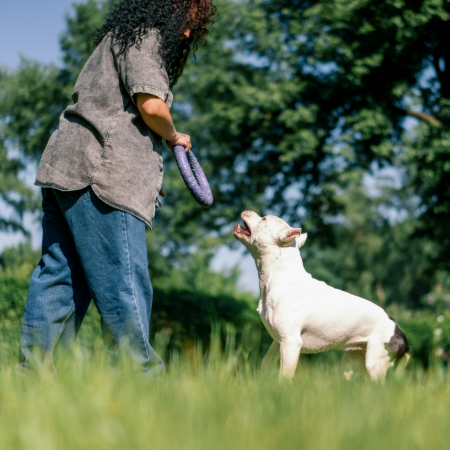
86 195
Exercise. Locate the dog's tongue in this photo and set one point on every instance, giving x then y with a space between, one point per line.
239 229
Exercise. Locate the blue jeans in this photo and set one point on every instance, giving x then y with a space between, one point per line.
89 251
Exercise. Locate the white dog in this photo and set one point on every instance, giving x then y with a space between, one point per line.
306 315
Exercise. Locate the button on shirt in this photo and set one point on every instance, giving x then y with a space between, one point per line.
102 140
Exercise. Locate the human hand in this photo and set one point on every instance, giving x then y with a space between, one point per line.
180 139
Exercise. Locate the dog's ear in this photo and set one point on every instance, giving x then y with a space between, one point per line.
290 235
300 241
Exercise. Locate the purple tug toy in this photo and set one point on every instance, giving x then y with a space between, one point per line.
193 176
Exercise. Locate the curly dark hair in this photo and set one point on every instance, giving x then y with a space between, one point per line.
130 20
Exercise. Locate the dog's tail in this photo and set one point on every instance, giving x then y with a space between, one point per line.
399 346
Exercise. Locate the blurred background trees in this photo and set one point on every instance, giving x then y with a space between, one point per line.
331 114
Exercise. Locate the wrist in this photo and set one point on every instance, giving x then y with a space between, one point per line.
172 137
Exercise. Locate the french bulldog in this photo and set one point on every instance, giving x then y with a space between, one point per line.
305 315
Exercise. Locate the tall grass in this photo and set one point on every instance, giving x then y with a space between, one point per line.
218 400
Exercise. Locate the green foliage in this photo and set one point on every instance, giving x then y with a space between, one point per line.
13 192
285 103
428 158
189 316
420 333
187 312
13 293
32 99
374 257
438 299
77 40
285 97
304 94
22 258
187 303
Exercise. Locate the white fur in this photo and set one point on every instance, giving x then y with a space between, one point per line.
306 315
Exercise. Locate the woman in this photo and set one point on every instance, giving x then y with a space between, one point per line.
100 174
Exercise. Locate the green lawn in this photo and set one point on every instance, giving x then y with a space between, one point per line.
220 401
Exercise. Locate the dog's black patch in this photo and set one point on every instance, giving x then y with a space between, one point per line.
398 343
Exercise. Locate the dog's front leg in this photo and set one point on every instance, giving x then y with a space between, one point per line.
290 352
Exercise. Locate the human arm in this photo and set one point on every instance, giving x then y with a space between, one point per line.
156 116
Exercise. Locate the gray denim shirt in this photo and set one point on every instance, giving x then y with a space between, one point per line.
102 140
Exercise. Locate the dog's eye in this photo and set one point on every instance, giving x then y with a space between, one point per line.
264 218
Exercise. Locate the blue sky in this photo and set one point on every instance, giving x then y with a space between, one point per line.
31 28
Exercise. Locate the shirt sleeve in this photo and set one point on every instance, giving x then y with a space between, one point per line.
142 71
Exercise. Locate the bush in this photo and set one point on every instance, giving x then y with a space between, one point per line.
182 317
13 295
428 335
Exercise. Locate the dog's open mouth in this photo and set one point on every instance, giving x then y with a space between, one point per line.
240 230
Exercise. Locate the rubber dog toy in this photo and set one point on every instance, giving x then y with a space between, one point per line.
193 176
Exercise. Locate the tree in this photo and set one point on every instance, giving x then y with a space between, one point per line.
288 105
288 97
305 95
375 255
428 158
13 192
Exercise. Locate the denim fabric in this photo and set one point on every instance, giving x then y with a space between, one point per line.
89 250
102 141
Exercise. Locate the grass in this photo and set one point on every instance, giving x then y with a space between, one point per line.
219 401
